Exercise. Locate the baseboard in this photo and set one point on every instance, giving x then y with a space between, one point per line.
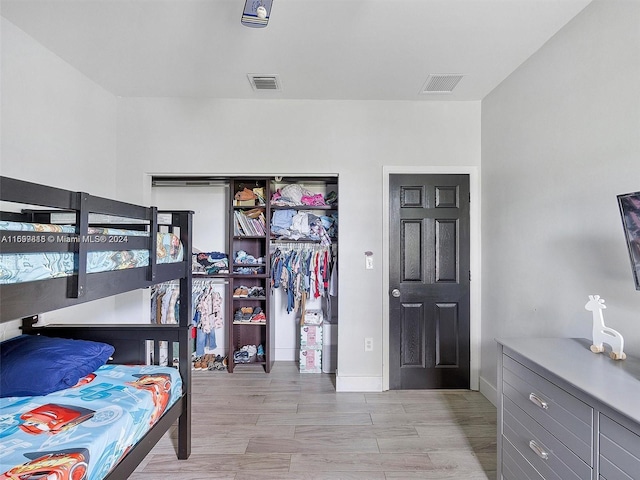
489 391
358 384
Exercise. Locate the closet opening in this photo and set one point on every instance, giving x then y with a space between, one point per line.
265 269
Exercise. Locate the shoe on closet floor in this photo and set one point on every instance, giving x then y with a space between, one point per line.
204 362
199 363
209 360
216 363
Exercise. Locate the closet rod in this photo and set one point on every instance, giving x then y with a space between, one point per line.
195 281
302 246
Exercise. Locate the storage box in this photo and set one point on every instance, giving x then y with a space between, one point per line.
310 361
312 317
311 336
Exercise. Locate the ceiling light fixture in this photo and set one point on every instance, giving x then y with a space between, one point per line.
256 13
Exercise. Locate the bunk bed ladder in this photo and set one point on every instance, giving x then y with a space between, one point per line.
153 246
76 284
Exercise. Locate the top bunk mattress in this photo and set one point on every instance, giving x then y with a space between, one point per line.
27 267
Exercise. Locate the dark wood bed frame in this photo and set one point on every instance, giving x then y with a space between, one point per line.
131 341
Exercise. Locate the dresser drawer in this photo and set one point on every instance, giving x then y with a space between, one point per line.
619 451
515 466
567 418
552 459
612 471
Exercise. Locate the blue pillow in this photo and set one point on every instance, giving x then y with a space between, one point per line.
36 365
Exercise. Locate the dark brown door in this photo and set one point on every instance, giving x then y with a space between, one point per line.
428 281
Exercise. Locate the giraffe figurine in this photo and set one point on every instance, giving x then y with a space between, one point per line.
603 334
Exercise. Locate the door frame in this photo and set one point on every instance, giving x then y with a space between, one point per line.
475 263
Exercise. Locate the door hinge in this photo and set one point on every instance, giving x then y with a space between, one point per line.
469 275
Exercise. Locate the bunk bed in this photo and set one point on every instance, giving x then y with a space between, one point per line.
99 227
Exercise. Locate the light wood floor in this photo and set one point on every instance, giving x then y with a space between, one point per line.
284 425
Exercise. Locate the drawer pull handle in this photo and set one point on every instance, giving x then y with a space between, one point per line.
538 450
538 401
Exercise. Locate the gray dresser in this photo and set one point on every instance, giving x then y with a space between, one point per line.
565 413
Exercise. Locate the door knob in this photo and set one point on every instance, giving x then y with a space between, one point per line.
395 293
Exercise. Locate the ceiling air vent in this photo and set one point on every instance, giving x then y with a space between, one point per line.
441 82
265 82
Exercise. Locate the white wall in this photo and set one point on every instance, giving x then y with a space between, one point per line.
351 139
58 128
53 116
560 139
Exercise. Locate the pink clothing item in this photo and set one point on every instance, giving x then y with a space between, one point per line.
316 200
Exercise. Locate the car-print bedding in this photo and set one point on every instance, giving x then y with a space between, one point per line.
82 432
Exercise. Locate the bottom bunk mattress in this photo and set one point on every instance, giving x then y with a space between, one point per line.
83 431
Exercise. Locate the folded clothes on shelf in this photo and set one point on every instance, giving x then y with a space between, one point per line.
210 263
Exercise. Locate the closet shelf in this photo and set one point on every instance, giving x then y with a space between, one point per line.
249 275
251 236
305 207
248 364
300 240
196 276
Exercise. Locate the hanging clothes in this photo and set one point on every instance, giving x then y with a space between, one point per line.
301 271
206 301
208 314
165 304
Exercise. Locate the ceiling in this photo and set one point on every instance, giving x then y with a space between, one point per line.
322 49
